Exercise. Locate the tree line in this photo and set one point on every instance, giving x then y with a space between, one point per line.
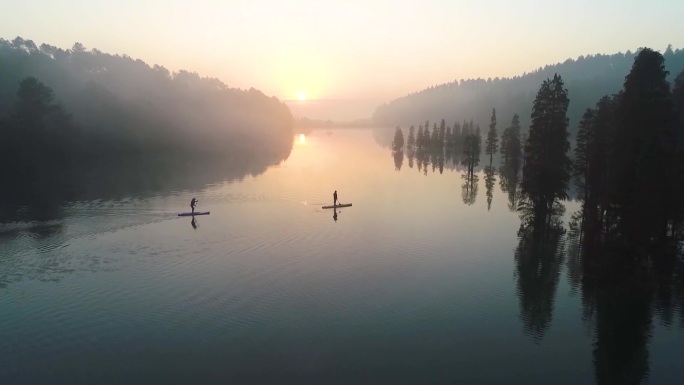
461 147
78 123
441 146
97 105
629 162
629 168
621 250
586 77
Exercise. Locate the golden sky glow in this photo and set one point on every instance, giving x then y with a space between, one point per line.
364 51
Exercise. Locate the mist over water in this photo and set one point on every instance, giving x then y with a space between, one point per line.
409 285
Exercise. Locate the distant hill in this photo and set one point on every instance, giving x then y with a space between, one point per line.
587 79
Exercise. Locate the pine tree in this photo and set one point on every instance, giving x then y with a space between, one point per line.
492 138
590 169
514 149
642 161
419 137
510 144
583 148
456 142
546 172
442 134
472 148
411 142
434 138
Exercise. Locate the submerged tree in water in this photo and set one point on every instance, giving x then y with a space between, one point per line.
472 147
642 171
492 143
411 146
511 143
411 141
546 171
590 171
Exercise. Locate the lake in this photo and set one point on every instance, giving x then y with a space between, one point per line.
416 283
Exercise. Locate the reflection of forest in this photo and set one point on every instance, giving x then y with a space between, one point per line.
622 247
459 149
490 179
399 159
510 184
34 210
618 304
443 147
620 300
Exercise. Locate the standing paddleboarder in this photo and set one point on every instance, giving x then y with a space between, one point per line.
193 203
335 198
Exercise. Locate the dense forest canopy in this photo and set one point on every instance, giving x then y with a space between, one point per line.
587 79
122 105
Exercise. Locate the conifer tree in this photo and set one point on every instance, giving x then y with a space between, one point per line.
411 142
442 134
472 148
419 137
492 138
546 171
642 161
510 144
583 148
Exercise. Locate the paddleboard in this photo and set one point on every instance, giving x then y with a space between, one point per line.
193 214
337 206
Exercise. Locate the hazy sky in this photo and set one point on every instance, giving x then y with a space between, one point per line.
351 54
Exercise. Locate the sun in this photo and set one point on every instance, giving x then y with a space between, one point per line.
301 96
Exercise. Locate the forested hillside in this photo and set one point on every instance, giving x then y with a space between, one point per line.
81 124
93 104
587 79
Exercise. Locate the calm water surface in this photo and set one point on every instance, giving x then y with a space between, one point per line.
408 286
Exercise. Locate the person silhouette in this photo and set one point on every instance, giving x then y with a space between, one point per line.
335 198
193 203
335 214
